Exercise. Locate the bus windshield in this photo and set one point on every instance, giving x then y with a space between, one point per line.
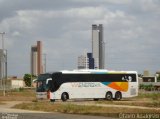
41 82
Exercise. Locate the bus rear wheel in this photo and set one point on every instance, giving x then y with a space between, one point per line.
118 96
108 96
64 96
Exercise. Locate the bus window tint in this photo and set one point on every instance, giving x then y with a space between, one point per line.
41 82
40 86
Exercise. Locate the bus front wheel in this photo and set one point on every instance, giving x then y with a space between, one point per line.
52 100
64 96
108 96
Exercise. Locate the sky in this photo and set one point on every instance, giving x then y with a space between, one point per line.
131 32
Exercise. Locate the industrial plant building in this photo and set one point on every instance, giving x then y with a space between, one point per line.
3 67
98 50
36 59
96 59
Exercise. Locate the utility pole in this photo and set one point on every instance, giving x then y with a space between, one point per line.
6 73
3 64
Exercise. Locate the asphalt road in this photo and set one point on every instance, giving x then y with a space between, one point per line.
47 116
6 112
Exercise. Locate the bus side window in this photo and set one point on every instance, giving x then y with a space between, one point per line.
40 86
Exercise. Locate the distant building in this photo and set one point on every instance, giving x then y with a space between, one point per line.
17 83
158 73
96 59
86 61
82 62
3 65
146 73
149 79
39 57
36 59
98 46
90 61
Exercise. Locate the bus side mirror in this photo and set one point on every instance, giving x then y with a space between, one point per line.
47 81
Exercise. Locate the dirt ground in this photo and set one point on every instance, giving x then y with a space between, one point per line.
15 95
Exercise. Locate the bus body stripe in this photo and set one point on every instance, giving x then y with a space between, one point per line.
120 86
106 83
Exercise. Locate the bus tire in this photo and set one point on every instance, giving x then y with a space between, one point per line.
108 96
95 99
118 95
64 96
52 100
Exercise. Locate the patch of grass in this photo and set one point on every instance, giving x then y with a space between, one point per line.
143 99
155 103
40 106
81 109
152 96
21 95
35 100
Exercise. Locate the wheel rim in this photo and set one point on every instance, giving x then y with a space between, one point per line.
118 96
64 96
109 96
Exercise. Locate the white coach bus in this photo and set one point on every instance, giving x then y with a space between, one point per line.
88 84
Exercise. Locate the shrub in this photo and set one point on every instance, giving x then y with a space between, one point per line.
28 78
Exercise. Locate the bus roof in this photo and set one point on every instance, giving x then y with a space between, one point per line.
92 71
96 71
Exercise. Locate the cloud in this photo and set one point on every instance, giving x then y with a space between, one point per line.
103 1
131 32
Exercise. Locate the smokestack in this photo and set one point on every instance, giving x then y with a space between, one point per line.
39 57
